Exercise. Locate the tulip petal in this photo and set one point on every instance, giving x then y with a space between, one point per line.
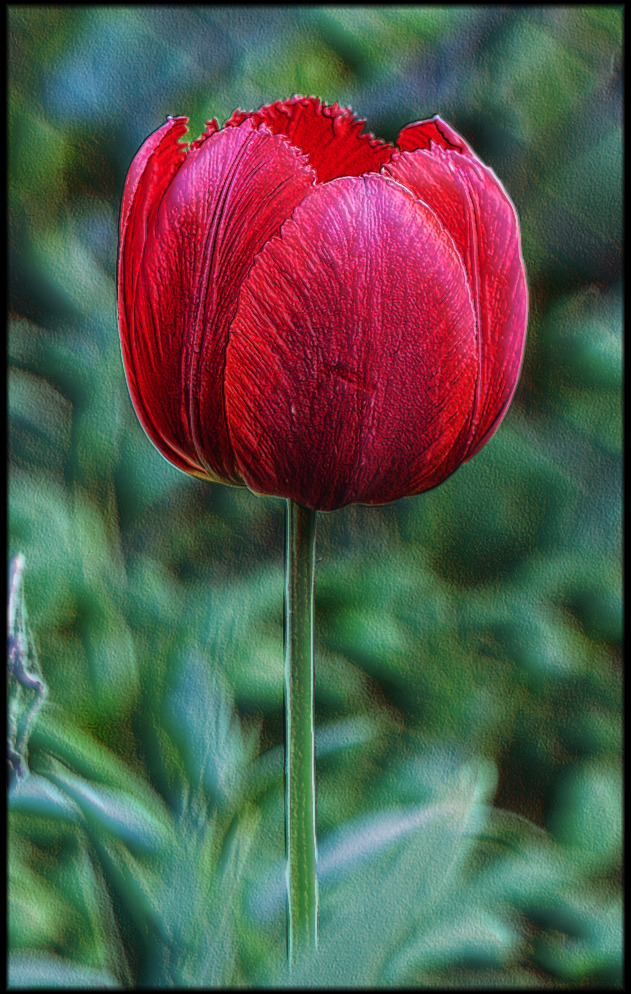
229 196
149 175
422 134
352 360
330 135
470 201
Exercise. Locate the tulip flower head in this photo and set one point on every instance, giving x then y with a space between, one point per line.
313 312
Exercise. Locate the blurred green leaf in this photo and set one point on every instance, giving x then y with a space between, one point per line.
37 970
199 711
588 816
116 812
381 877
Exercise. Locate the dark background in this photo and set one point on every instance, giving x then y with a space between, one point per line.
475 626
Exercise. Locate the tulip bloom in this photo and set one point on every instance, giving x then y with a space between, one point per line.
313 312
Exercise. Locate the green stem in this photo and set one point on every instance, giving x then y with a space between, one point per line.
300 821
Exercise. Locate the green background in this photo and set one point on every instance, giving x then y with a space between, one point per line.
467 640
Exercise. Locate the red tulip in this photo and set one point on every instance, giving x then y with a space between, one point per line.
316 313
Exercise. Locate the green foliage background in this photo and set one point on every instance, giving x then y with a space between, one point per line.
468 640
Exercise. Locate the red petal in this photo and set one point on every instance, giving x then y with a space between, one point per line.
330 135
233 192
151 170
351 362
422 134
149 175
472 204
